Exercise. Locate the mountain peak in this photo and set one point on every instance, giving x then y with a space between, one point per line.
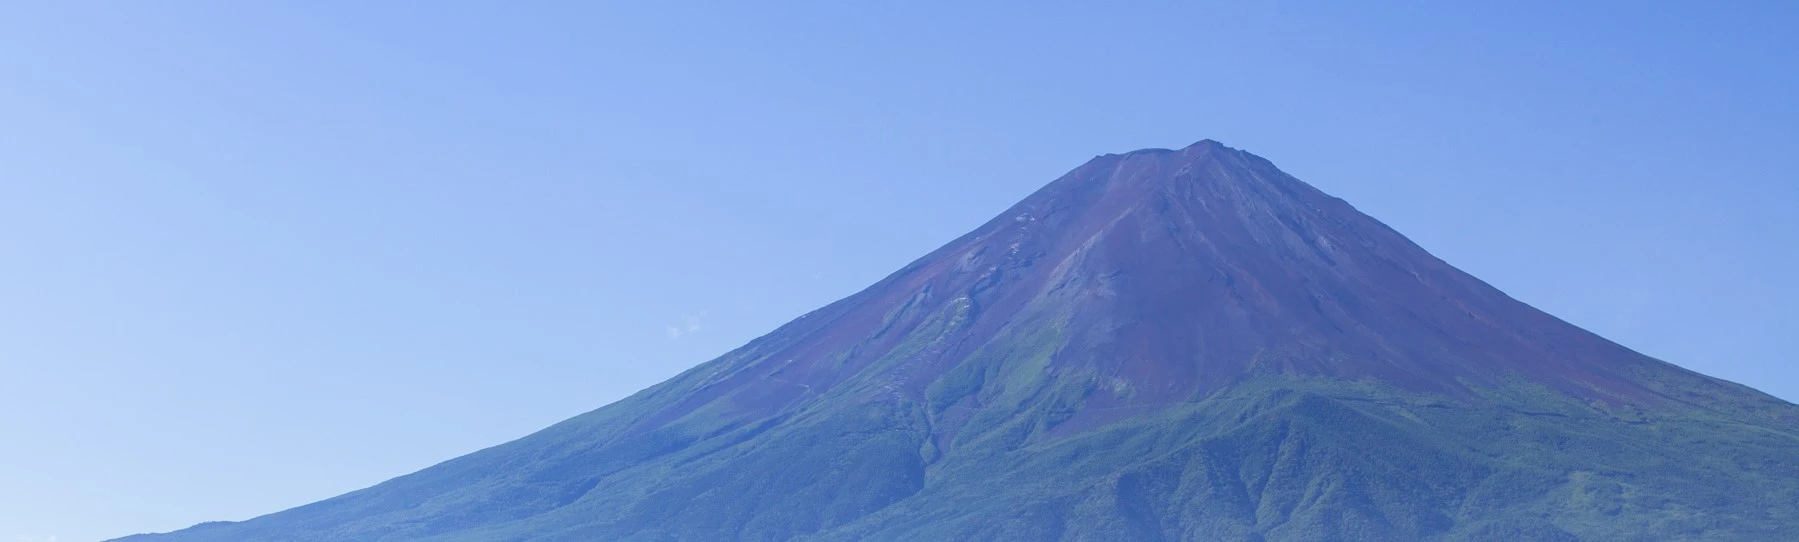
1228 268
1206 145
1202 149
1171 275
1197 146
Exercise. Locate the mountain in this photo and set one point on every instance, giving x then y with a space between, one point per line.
1160 345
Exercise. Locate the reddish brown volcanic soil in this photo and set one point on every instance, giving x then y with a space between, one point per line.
1177 272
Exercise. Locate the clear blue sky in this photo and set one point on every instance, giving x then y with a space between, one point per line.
255 255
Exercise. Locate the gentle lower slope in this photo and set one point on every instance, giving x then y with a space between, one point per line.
1270 460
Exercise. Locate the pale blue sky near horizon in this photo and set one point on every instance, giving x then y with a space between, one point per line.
254 255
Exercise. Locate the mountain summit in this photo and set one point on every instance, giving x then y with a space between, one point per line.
1160 345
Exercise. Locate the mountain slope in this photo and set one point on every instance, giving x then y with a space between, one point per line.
1165 344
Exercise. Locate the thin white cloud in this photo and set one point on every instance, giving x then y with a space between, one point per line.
689 324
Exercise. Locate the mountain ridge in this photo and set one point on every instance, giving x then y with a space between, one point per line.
1159 316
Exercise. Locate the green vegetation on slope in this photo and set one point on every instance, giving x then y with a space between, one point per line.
1278 459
